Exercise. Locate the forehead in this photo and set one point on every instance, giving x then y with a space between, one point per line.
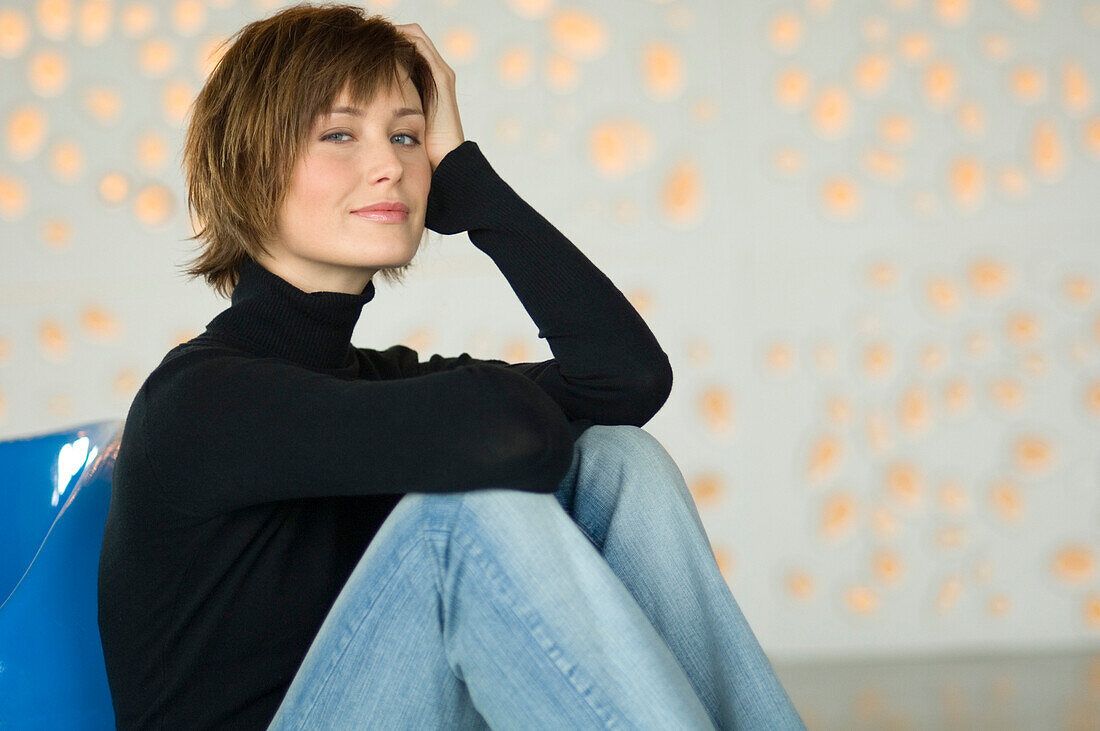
391 101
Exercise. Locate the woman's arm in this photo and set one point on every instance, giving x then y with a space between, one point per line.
632 399
608 365
224 430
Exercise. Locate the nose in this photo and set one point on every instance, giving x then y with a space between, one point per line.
384 164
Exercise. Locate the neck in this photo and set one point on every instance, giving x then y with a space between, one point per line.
272 317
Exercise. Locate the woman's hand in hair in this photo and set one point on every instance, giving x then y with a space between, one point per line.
444 128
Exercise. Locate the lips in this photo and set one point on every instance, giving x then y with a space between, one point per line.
383 206
382 216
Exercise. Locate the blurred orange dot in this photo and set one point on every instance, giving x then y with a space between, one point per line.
1091 610
988 277
1074 564
861 599
942 294
1033 453
838 515
887 566
903 481
841 197
1048 151
949 593
999 604
785 31
1026 83
826 453
800 584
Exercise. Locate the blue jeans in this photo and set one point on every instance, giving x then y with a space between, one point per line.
600 606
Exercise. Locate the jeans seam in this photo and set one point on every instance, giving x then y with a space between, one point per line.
355 629
487 563
589 536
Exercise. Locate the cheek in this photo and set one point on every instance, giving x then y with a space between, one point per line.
319 170
325 178
424 179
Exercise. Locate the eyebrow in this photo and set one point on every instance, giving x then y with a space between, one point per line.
356 112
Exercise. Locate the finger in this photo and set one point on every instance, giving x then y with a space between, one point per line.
424 44
417 33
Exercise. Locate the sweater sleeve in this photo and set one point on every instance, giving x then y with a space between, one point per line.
579 403
224 431
607 367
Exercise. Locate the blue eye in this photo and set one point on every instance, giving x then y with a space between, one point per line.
414 142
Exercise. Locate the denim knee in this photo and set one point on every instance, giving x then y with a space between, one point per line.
440 513
605 451
618 448
624 442
624 465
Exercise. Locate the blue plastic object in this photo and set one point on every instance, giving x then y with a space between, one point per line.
54 493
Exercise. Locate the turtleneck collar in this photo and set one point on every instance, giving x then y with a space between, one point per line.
272 317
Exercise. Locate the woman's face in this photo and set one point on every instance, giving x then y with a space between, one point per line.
352 160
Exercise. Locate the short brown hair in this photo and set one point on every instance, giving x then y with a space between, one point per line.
251 119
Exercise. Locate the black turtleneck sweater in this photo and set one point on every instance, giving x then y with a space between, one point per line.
259 458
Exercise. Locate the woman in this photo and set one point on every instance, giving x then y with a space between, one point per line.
306 534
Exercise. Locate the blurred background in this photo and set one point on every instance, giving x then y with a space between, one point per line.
865 233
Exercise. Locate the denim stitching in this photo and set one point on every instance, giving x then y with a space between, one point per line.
336 660
491 568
